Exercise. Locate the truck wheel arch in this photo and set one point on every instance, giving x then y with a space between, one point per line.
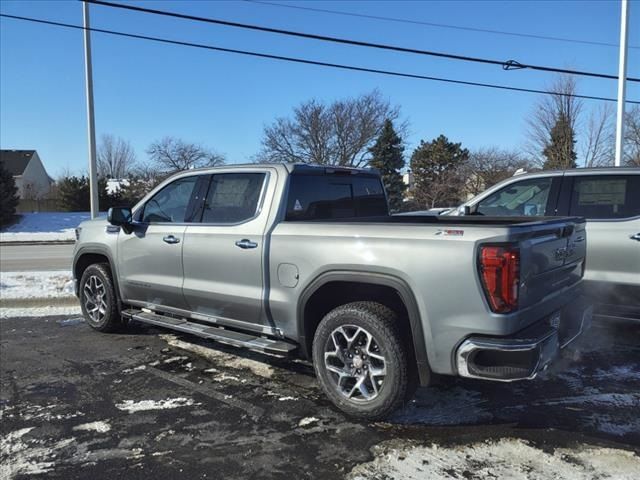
88 256
306 326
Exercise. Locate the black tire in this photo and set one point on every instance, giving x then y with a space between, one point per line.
382 325
109 320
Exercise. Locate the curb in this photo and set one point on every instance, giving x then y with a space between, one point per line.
39 302
36 242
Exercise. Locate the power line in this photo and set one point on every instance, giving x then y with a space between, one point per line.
438 25
506 65
309 62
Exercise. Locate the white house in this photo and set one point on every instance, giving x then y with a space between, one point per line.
30 176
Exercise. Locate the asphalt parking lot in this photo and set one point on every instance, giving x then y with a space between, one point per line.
146 403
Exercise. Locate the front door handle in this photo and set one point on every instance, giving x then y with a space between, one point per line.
635 237
246 243
171 239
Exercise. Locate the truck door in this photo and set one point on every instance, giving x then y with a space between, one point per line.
611 205
223 254
150 257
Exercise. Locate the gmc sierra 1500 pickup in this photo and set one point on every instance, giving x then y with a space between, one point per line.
307 260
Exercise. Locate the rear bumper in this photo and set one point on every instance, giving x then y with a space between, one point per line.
523 355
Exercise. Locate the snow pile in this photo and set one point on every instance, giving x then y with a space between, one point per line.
506 458
51 284
46 226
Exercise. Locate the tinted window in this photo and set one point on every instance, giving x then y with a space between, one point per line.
605 196
170 204
232 197
525 198
323 197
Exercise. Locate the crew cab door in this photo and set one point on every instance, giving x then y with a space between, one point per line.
150 257
223 254
611 205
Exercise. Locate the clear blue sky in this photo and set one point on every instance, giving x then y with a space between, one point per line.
144 90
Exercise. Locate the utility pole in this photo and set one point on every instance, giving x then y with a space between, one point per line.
622 76
91 124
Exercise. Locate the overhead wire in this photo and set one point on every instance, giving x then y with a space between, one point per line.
438 25
505 64
307 61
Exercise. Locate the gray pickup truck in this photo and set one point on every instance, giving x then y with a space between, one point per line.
306 260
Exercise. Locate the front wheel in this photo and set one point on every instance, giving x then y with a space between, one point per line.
361 361
98 298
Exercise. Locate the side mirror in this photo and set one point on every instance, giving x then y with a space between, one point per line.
120 216
466 210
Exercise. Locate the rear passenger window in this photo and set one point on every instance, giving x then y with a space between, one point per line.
325 197
232 197
605 196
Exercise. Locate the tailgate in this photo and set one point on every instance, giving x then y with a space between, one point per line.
551 258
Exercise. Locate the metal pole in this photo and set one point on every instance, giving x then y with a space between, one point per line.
93 169
622 76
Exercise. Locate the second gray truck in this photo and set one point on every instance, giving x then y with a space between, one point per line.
306 260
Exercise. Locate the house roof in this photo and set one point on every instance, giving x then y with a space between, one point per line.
16 160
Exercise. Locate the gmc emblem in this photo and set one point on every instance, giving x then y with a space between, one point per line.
564 252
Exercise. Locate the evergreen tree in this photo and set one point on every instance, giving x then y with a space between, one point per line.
387 157
8 196
73 194
437 168
560 151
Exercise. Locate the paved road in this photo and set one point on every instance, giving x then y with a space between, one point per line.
138 404
15 258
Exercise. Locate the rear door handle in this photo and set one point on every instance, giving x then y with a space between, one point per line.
635 237
246 243
171 239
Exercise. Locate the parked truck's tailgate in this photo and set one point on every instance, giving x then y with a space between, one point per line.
552 259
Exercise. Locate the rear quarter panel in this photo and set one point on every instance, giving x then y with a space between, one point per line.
441 271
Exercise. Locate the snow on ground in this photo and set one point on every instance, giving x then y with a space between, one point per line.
505 458
239 363
99 426
39 311
45 226
50 284
144 405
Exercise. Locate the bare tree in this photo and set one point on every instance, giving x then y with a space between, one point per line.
632 137
600 139
172 154
560 105
340 133
116 157
488 166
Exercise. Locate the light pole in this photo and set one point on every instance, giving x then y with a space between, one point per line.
622 76
91 124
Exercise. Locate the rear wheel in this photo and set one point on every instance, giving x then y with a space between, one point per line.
98 298
361 361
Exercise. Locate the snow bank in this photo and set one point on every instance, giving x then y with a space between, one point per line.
506 458
50 284
45 226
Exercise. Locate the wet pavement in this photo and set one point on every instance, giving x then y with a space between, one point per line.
146 403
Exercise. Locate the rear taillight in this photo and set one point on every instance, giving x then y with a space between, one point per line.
500 274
